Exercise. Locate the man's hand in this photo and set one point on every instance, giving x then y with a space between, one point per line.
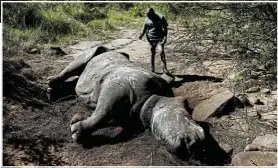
164 41
140 37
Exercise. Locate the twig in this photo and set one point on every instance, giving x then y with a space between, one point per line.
64 98
47 122
54 105
151 162
253 162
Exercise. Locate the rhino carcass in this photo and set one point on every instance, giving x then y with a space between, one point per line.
114 87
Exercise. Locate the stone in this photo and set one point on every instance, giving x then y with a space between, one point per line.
240 124
254 99
13 107
258 102
253 114
59 50
266 76
167 77
212 106
263 143
252 90
34 51
243 100
266 91
255 158
236 76
227 148
255 74
274 92
177 79
261 68
272 115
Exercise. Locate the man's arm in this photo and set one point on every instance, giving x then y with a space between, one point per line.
143 31
165 29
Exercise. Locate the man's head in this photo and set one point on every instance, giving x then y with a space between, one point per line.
150 13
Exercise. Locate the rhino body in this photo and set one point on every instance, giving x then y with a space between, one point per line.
115 88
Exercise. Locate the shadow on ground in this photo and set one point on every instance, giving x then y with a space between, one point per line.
180 79
106 136
209 152
193 78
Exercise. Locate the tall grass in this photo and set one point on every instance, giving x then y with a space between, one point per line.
29 25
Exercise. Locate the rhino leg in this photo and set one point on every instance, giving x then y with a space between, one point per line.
114 133
76 67
114 102
80 116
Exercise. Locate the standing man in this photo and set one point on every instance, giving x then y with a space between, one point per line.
155 27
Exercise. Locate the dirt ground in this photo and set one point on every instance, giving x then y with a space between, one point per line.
36 132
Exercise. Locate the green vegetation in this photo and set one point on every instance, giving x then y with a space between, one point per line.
247 31
28 25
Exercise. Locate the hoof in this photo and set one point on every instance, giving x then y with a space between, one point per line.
75 137
54 81
77 131
77 117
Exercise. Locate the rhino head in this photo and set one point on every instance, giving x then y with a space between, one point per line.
171 123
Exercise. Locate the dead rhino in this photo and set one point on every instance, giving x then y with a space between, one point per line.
115 88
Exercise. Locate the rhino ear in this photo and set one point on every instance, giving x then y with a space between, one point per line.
187 106
93 52
124 54
184 101
100 50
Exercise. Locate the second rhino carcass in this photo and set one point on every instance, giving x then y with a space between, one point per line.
116 88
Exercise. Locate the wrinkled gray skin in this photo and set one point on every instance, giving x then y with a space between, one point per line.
115 88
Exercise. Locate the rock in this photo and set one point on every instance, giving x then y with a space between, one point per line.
227 148
255 74
253 114
270 64
272 115
261 68
266 76
177 79
239 124
252 90
13 107
212 106
274 92
167 77
266 91
274 95
255 99
263 143
255 158
258 102
236 76
59 50
243 100
34 51
241 127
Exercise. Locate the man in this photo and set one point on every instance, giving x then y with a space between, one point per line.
155 27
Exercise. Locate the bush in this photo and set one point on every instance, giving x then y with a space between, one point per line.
57 23
246 32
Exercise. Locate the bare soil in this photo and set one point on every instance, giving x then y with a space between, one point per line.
36 131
